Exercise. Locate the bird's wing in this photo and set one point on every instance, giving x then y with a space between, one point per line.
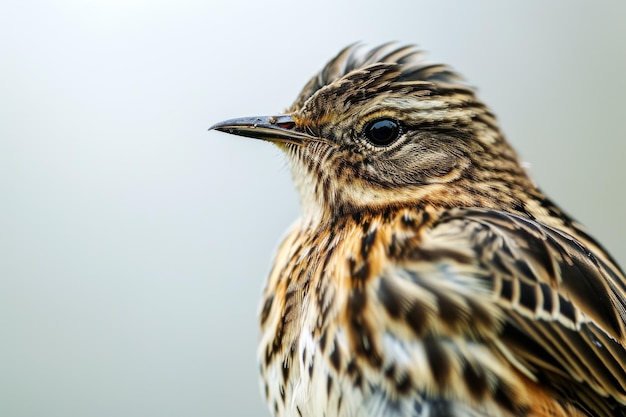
561 307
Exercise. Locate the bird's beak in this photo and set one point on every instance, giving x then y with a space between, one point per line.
278 129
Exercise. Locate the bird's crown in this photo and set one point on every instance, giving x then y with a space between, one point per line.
388 65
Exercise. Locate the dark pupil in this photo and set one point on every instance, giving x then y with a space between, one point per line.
382 132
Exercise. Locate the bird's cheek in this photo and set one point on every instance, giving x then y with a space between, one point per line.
445 170
423 167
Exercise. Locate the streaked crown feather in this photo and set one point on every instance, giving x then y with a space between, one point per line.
408 61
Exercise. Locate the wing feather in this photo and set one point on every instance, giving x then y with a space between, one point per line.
563 302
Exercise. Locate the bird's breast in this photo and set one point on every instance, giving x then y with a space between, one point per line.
371 318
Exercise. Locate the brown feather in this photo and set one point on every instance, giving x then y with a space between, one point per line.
428 275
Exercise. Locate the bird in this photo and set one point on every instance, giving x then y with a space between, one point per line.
428 275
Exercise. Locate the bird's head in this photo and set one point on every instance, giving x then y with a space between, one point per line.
381 128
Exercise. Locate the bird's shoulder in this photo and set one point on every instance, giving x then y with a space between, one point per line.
548 302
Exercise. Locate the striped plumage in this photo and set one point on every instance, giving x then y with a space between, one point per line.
428 276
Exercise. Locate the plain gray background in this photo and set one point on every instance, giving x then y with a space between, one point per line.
134 243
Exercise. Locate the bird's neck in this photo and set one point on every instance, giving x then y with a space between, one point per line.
522 199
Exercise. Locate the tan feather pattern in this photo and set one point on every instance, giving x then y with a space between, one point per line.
428 276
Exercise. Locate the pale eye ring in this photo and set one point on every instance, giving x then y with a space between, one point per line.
382 132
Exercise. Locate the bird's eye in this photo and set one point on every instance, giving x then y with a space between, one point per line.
382 132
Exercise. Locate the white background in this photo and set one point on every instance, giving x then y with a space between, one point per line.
134 243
